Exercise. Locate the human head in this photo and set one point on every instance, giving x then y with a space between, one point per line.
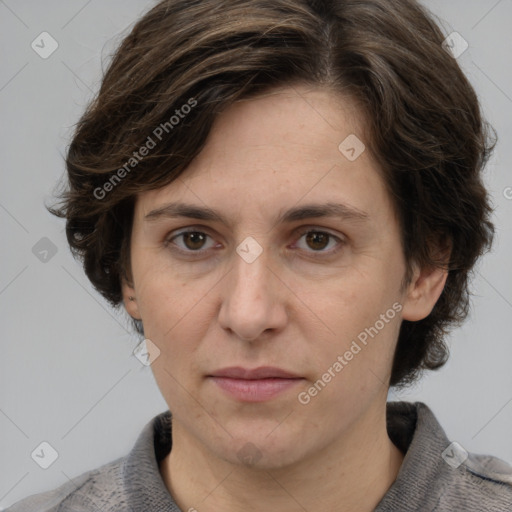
422 124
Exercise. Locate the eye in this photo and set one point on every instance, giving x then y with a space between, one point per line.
319 241
191 241
198 242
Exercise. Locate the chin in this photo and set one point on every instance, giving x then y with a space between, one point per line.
259 451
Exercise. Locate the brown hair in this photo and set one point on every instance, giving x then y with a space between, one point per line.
424 127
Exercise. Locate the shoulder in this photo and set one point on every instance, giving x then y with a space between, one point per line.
438 474
475 482
93 490
468 480
128 480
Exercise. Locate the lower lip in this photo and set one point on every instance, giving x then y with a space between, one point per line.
257 390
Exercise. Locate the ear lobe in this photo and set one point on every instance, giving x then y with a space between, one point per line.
423 292
130 300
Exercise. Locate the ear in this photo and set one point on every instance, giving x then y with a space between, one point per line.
424 290
130 299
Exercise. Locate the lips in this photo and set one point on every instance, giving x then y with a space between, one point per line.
254 385
264 372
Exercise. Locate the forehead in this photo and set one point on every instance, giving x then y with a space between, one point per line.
287 124
282 147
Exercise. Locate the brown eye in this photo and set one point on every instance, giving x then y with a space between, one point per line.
320 242
189 242
317 240
194 240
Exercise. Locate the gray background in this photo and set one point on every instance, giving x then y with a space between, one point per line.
67 373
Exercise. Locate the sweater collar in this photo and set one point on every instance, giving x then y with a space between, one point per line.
412 427
143 482
420 482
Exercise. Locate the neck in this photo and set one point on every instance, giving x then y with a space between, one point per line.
352 475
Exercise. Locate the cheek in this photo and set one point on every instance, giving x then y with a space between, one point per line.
346 305
164 294
176 317
173 312
354 368
357 332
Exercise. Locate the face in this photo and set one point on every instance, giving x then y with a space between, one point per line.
269 277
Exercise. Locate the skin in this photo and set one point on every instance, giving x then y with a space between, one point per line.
297 307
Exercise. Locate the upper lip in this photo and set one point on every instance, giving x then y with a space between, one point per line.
263 372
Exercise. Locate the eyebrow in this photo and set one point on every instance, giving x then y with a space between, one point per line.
308 211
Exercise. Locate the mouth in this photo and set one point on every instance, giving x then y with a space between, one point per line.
254 385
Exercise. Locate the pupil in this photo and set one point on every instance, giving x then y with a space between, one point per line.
317 241
194 240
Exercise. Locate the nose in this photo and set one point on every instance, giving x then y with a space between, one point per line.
253 300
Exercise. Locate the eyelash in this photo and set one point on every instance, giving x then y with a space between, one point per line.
169 242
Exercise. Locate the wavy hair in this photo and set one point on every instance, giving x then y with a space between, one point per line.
423 118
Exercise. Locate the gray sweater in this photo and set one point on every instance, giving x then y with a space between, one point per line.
436 475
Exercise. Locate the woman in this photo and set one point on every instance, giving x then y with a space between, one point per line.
286 197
